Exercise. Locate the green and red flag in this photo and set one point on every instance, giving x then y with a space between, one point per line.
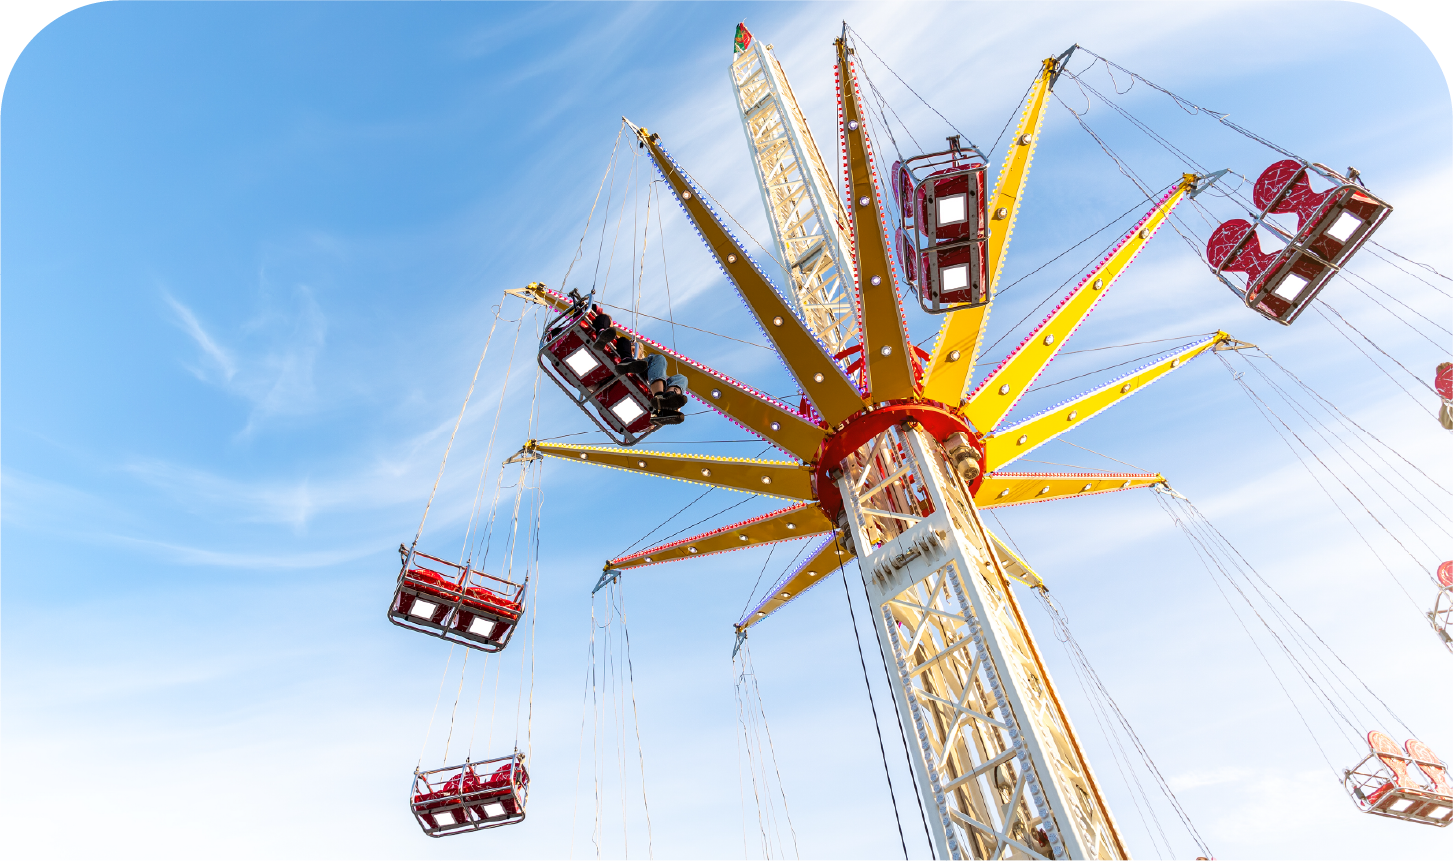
743 40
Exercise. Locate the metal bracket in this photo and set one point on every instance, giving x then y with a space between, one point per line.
526 454
741 638
1059 65
608 575
531 292
1232 344
1205 182
1164 487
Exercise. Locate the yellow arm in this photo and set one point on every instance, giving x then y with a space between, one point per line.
799 521
1002 489
822 561
1011 443
830 391
1013 565
764 416
1002 389
957 347
885 340
767 477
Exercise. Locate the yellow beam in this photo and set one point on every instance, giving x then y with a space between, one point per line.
885 340
799 521
1013 565
831 392
825 559
759 413
957 348
1003 388
1003 489
1011 443
767 477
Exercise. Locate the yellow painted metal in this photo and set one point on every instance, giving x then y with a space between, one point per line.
1008 444
767 477
1002 389
831 392
772 421
1002 489
1014 566
962 331
798 521
885 339
829 558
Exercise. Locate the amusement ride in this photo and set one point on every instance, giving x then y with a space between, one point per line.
893 453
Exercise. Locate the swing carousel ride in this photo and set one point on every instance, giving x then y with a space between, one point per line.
893 453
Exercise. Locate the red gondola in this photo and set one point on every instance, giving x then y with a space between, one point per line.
943 205
1331 226
471 797
455 602
1442 613
1410 784
619 403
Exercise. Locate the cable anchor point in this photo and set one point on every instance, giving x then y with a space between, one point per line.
608 575
526 454
741 638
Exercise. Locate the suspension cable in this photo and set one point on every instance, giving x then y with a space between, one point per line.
877 727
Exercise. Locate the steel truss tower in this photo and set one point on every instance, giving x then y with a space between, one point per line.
998 763
808 222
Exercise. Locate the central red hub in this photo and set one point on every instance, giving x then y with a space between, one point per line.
935 418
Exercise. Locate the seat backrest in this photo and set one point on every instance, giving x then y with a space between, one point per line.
1436 773
1391 755
1445 575
1300 199
1443 380
1250 259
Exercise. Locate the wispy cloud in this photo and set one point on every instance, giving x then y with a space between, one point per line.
208 345
276 378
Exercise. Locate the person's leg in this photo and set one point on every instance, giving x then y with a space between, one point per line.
673 394
626 351
601 325
667 405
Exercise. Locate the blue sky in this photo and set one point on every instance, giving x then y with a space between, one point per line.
252 252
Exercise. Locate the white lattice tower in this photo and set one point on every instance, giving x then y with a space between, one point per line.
809 225
997 761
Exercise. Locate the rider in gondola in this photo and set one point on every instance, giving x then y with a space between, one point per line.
668 392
